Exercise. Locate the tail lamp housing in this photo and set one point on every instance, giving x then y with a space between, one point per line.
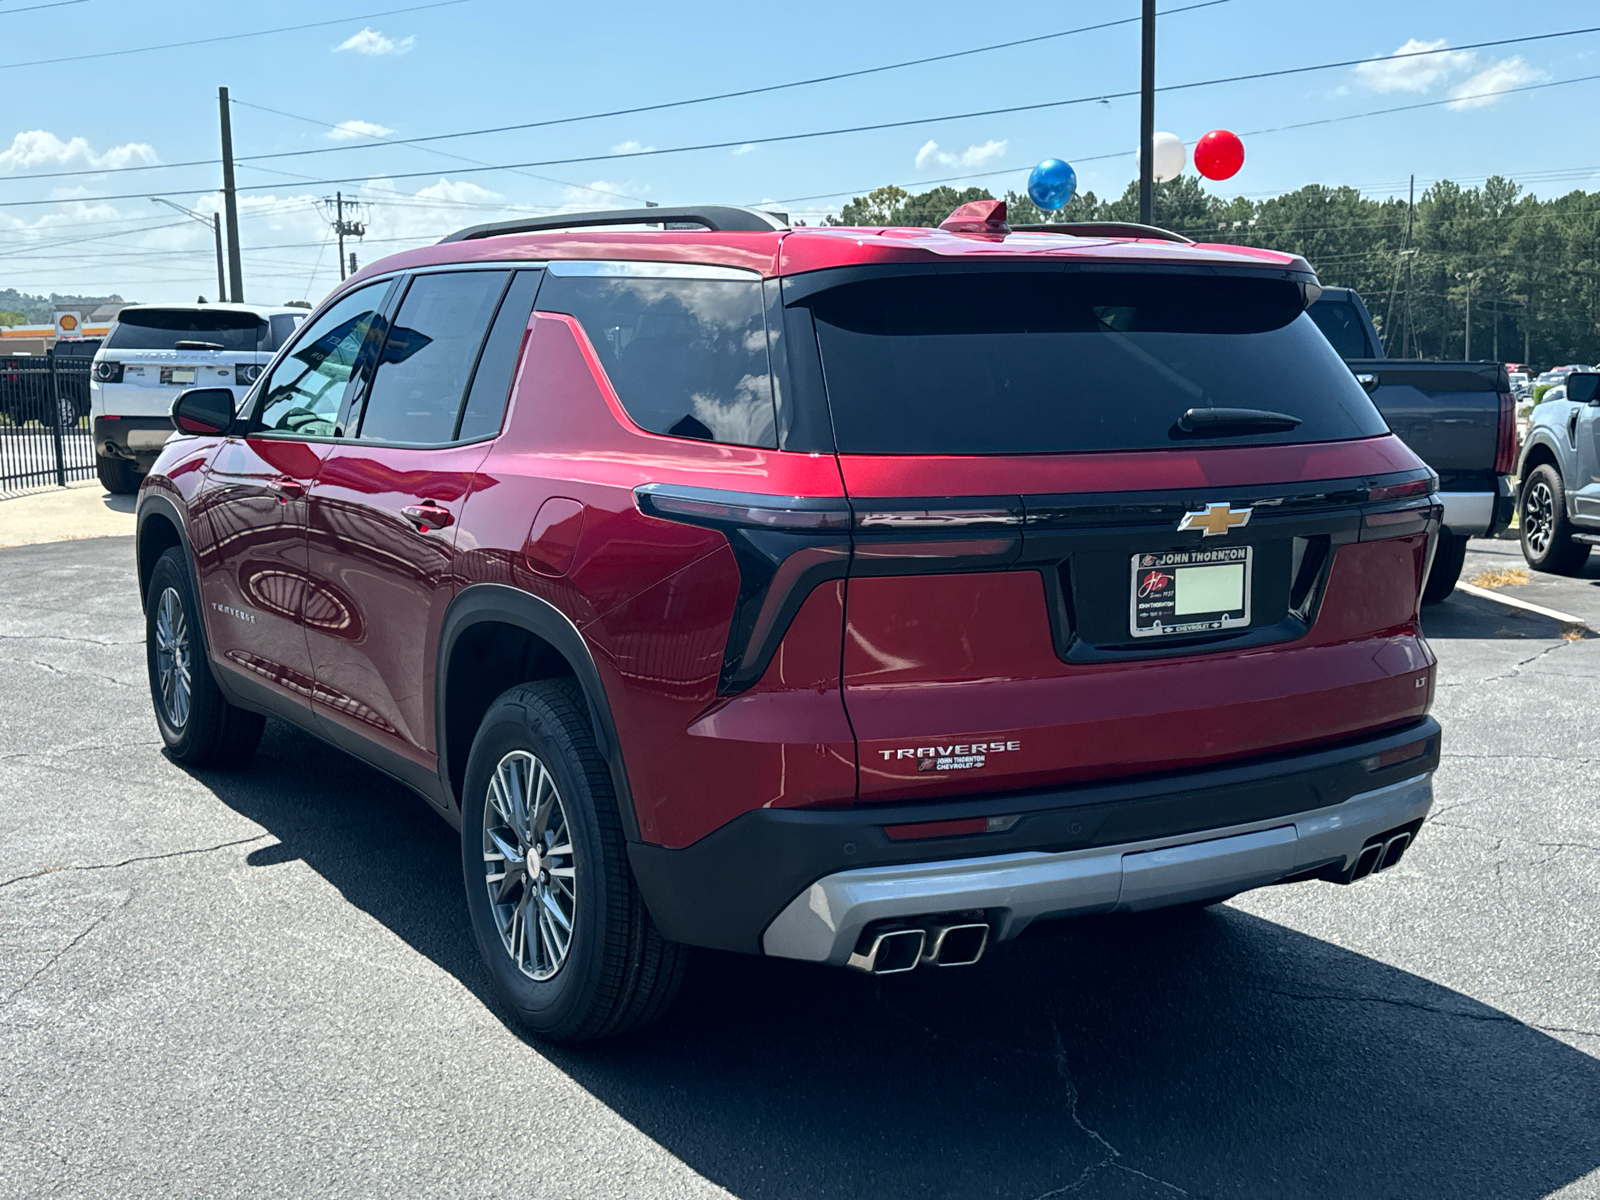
108 371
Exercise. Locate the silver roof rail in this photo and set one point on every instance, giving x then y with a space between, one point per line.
718 218
1127 229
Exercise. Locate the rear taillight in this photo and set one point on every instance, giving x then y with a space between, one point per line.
107 371
1505 457
248 372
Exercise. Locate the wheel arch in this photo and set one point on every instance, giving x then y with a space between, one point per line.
1539 452
494 637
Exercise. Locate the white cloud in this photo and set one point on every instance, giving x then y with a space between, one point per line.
972 156
601 193
1476 92
40 148
630 147
345 130
744 149
1418 73
370 42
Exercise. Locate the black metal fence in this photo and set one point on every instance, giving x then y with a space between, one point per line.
45 439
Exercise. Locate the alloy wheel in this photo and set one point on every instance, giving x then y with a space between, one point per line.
530 869
1539 517
173 661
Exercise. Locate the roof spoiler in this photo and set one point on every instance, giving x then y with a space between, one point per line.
1122 229
718 218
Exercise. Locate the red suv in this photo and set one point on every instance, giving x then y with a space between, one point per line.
858 596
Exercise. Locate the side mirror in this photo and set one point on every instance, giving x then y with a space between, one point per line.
1584 387
203 411
1367 380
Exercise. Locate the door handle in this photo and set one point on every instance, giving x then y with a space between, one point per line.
287 489
428 516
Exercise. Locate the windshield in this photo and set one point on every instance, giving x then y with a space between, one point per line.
164 328
1024 362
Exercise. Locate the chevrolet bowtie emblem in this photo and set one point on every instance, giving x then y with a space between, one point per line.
1215 519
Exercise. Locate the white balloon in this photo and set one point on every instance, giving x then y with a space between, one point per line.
1168 156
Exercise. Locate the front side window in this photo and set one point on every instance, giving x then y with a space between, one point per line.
428 358
197 328
687 356
1342 325
303 395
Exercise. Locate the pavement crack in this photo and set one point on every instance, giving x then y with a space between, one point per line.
126 862
55 670
1111 1159
1515 670
61 953
57 637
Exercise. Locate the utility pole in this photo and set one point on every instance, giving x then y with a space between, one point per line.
343 229
1411 212
230 204
1147 111
1468 333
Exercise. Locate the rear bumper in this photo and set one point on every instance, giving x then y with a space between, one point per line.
725 890
825 922
131 437
1479 514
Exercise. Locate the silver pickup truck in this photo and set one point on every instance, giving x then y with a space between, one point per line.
1558 505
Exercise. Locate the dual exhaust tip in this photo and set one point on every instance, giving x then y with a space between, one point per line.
1380 854
893 951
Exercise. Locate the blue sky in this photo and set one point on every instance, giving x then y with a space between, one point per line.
482 63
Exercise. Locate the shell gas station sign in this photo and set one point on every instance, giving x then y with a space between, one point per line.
69 326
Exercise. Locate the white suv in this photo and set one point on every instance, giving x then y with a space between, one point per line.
152 353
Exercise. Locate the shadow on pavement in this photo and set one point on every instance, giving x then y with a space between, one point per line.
1216 1052
1460 615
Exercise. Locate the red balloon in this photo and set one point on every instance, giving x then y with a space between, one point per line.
1219 154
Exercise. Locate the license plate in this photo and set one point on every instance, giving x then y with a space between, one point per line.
177 374
1189 591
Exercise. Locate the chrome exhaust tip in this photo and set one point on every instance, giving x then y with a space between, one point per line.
1392 850
889 952
955 945
1368 862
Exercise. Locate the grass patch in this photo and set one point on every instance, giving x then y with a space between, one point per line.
1510 577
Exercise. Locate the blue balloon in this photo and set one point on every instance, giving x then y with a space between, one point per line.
1052 184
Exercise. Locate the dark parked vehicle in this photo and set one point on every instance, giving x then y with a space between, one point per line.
1459 417
1559 500
795 591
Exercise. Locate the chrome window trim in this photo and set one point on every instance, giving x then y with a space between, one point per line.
633 268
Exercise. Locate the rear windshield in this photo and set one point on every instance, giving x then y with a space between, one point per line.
1019 363
164 328
1342 325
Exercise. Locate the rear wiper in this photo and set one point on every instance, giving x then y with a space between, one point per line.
187 345
1222 422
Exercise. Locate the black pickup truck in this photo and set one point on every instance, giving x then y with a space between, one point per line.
1459 417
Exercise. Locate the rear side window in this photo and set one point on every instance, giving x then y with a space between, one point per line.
1342 325
491 382
428 358
687 356
1047 362
164 328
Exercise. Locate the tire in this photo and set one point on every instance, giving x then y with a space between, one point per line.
1546 534
615 971
117 475
1448 558
198 725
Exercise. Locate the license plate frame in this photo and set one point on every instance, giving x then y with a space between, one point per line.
1153 600
179 375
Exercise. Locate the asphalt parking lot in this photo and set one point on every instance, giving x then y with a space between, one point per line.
263 983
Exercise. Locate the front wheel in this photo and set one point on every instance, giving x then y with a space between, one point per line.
1547 543
1448 558
554 907
197 723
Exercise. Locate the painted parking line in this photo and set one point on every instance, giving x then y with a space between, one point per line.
1524 605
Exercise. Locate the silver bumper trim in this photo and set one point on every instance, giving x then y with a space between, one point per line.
1467 512
824 922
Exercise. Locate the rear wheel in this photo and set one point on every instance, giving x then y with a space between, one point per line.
1547 543
117 475
1448 558
554 908
198 725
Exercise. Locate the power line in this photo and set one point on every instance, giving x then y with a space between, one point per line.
228 37
36 7
776 87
